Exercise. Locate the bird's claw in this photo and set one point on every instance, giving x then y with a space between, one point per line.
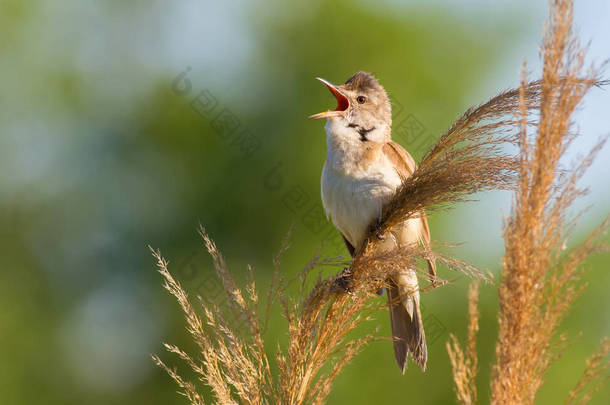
376 229
343 282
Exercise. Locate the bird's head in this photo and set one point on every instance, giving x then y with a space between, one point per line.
362 104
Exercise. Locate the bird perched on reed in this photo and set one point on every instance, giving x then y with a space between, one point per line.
362 172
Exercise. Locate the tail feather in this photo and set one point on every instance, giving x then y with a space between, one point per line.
407 327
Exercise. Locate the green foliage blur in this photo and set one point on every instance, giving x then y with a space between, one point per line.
126 124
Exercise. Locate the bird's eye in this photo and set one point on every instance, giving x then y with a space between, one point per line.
361 99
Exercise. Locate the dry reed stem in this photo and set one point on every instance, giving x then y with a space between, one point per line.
465 365
237 369
539 283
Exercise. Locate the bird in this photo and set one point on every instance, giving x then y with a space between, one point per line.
362 171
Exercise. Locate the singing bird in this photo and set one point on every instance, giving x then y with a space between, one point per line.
362 172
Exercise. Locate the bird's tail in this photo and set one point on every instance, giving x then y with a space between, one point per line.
405 317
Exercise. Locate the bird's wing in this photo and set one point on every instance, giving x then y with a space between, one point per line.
400 159
405 165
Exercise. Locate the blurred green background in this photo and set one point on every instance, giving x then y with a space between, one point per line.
124 124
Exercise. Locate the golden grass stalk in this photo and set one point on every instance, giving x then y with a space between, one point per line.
468 158
465 364
540 281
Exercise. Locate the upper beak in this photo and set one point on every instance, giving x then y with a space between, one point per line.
342 102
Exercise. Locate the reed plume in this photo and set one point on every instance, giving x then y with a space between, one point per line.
468 158
539 281
465 364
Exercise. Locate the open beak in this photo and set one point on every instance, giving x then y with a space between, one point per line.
342 102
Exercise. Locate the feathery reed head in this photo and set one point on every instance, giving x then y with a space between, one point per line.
539 281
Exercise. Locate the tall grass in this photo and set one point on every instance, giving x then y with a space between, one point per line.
540 281
536 287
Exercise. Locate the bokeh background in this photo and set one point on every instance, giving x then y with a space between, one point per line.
124 124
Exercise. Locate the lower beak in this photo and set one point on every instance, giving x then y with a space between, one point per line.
342 102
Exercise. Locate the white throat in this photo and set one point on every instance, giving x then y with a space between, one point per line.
347 142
